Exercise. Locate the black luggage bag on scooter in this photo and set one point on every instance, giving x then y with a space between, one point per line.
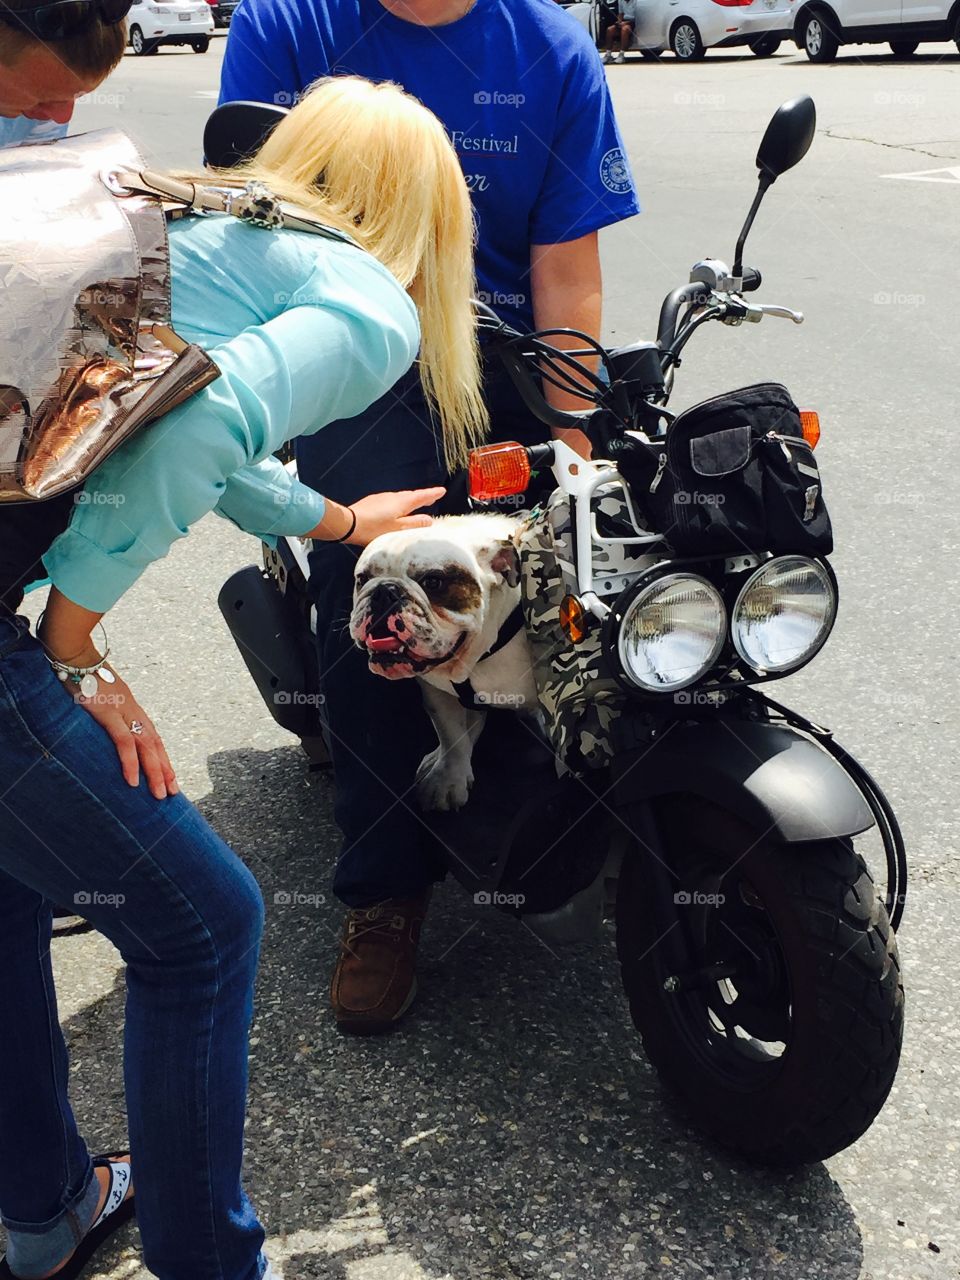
735 474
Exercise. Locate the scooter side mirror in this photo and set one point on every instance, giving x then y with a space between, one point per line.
788 137
785 143
237 130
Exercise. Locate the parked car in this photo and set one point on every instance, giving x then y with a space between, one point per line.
822 26
172 22
690 27
222 11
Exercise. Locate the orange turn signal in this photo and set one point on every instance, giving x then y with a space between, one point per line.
498 470
810 422
573 619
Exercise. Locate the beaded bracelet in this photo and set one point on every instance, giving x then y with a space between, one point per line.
85 679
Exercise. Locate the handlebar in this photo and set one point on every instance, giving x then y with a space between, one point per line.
697 293
532 361
670 311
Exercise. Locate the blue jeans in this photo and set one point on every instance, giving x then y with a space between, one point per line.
187 916
378 729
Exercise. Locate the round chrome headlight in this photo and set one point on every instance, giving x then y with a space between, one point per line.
784 613
671 632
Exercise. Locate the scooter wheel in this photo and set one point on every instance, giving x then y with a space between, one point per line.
782 1039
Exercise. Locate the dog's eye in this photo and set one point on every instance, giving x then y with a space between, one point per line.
433 582
362 579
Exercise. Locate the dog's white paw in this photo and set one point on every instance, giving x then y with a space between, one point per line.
444 782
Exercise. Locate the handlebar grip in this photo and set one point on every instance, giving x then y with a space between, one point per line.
752 279
540 455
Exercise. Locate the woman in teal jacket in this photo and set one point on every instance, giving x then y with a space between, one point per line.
305 330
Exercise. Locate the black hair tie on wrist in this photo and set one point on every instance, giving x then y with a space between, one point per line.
350 532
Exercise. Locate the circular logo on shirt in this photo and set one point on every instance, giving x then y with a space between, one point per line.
615 172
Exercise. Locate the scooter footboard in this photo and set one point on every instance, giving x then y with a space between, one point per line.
771 776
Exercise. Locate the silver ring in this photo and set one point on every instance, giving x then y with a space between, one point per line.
136 727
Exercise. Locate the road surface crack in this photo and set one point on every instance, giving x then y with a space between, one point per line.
894 146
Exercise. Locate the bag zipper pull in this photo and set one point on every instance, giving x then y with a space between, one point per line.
781 440
661 467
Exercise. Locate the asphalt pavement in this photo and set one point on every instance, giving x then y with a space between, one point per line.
513 1128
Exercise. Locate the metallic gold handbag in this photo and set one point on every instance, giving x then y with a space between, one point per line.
87 354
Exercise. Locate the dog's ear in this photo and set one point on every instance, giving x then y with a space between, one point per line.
504 559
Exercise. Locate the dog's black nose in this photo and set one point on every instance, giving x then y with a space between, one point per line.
386 597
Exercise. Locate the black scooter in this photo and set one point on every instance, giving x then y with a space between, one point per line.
661 785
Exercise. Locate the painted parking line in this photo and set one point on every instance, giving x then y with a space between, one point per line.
950 174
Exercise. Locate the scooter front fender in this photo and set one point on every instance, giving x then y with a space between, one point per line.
771 776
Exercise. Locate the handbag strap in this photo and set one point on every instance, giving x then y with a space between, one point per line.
254 203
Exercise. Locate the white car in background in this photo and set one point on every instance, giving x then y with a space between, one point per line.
170 22
691 27
824 25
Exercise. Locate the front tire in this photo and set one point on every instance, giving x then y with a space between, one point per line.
788 1057
765 46
686 42
818 38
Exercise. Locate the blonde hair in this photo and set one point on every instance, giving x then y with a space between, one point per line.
371 160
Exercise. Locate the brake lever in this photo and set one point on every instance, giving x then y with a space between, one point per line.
737 310
757 310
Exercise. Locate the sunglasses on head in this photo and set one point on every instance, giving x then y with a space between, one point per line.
64 18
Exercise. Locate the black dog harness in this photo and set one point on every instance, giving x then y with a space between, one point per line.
464 690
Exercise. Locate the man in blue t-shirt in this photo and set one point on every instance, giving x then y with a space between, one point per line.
521 91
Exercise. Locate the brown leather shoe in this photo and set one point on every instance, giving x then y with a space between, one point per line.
375 980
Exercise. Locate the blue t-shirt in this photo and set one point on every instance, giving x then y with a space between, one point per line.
18 129
518 85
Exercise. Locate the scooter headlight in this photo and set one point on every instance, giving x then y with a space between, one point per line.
671 633
784 613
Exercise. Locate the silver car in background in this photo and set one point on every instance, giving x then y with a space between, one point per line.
690 27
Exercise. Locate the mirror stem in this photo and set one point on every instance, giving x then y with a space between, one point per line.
766 181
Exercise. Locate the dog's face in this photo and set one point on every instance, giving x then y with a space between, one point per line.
421 597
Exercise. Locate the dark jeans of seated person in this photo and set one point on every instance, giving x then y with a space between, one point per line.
378 728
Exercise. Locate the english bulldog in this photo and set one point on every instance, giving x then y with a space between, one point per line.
442 604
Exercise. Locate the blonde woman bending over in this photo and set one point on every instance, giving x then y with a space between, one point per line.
305 330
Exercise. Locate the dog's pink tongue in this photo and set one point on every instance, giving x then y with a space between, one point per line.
384 644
